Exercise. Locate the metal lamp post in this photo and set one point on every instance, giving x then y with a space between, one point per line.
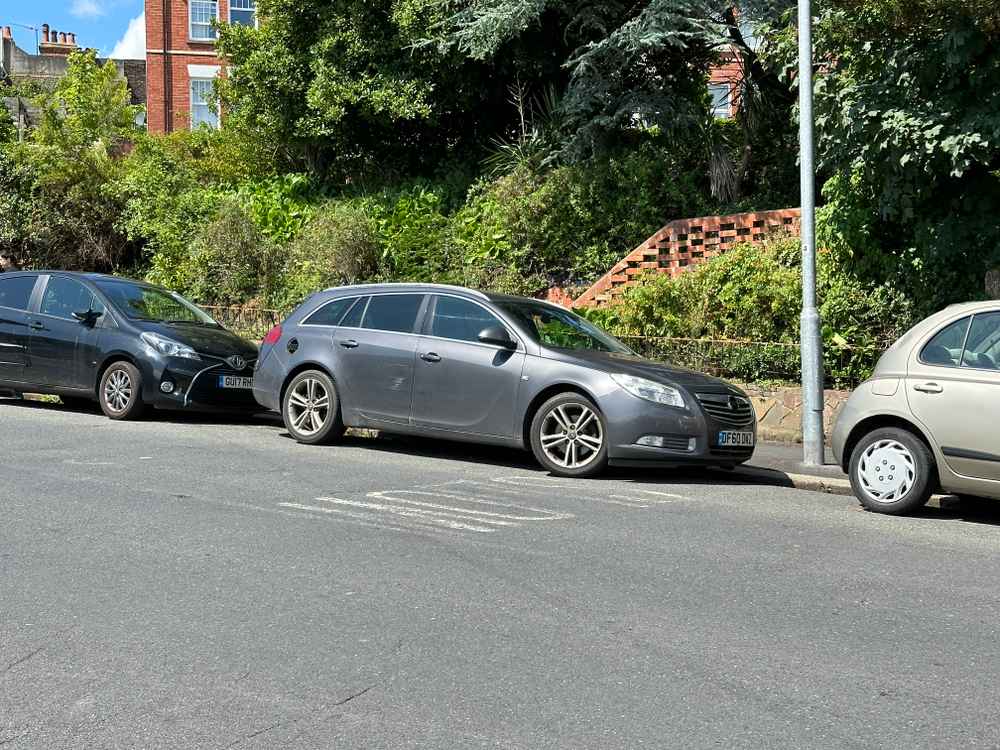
811 342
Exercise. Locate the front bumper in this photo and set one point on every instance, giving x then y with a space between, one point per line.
690 435
196 385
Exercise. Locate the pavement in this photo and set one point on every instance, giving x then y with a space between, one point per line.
782 463
209 583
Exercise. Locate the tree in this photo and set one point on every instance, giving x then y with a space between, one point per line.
908 110
338 88
68 161
616 66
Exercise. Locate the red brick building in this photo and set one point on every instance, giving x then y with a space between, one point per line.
181 60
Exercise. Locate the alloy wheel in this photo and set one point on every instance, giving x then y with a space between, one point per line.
308 406
118 391
887 471
572 436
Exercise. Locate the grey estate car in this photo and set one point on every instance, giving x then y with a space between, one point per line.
454 363
929 417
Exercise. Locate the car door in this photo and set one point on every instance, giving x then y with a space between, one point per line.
953 388
62 348
460 384
15 299
375 347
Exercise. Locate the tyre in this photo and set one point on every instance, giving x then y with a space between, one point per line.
569 436
892 471
311 409
120 393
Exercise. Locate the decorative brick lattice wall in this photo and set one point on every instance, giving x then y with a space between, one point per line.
685 243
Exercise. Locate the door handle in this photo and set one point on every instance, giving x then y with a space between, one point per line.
36 325
430 357
928 388
349 344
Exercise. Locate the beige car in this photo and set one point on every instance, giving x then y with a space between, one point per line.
928 420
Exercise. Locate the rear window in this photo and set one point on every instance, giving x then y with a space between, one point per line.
16 292
393 312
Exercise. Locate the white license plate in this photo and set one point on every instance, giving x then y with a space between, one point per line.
736 440
235 381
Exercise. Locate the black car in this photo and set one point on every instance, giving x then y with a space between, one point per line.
126 344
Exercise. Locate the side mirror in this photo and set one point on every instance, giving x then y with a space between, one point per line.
88 317
498 336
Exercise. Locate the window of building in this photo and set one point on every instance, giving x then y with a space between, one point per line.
721 100
202 13
243 12
204 111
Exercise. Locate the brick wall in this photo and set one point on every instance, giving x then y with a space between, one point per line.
169 51
684 243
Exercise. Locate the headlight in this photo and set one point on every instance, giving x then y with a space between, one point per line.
650 391
168 347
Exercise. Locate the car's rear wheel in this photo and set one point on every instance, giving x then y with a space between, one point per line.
311 408
892 471
569 436
120 393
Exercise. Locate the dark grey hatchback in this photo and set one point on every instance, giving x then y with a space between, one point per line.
463 365
125 344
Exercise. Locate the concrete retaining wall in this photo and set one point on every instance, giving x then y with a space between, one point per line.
779 411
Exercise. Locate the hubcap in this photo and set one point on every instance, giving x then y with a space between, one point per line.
887 471
572 436
118 390
308 407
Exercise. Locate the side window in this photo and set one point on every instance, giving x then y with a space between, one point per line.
330 313
946 347
393 312
353 318
16 292
460 319
982 348
63 297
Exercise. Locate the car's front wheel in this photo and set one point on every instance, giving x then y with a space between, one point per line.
121 392
311 408
569 436
892 471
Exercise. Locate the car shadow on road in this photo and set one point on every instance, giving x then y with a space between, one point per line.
155 415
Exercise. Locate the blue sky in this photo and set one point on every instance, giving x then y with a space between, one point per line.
113 27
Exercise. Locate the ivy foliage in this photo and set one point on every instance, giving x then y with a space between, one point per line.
908 108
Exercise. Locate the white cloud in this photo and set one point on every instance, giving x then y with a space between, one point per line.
86 9
132 46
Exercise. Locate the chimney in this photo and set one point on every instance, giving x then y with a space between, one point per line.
7 33
56 42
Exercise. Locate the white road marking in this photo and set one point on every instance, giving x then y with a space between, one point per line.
477 506
371 520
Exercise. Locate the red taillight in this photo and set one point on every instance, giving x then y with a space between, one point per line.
273 336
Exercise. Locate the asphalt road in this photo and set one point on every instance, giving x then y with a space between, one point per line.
182 583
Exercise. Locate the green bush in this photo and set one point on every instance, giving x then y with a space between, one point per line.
753 293
339 246
231 261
